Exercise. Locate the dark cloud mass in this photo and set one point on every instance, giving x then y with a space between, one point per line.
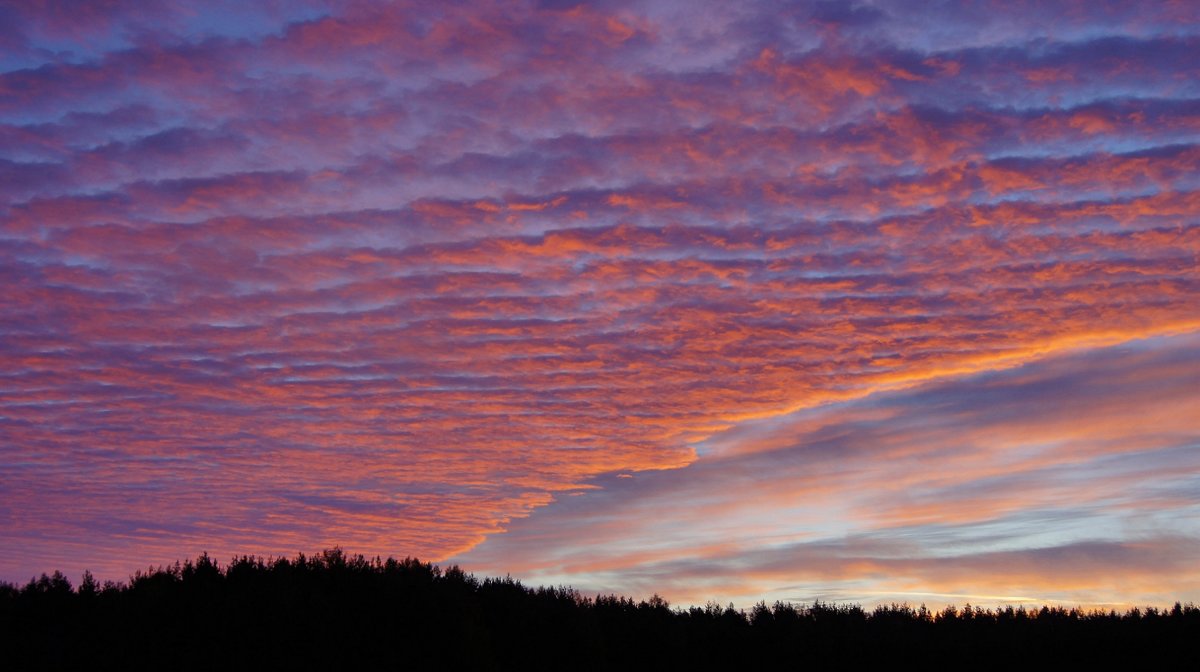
396 276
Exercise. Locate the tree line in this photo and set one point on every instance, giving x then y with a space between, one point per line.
333 608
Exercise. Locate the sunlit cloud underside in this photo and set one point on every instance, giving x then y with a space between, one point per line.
853 301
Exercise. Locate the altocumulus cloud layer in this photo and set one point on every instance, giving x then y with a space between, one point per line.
849 279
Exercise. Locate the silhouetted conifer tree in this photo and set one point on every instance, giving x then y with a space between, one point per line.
336 609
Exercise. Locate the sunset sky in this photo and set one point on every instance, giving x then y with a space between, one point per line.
864 302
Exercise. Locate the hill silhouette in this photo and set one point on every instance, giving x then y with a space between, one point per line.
335 609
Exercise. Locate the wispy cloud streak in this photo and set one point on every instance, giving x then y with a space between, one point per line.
1070 479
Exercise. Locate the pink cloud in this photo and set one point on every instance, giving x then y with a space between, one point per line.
394 277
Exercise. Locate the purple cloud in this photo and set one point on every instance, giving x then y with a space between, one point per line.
396 276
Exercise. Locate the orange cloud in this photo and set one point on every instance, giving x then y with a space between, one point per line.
399 278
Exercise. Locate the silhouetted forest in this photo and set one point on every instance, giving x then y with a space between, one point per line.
335 609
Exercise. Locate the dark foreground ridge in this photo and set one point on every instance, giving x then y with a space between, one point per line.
338 609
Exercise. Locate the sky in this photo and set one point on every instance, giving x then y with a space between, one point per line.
851 301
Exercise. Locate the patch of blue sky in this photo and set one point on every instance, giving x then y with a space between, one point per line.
1037 528
250 21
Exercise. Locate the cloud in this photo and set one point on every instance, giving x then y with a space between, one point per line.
396 277
1057 480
